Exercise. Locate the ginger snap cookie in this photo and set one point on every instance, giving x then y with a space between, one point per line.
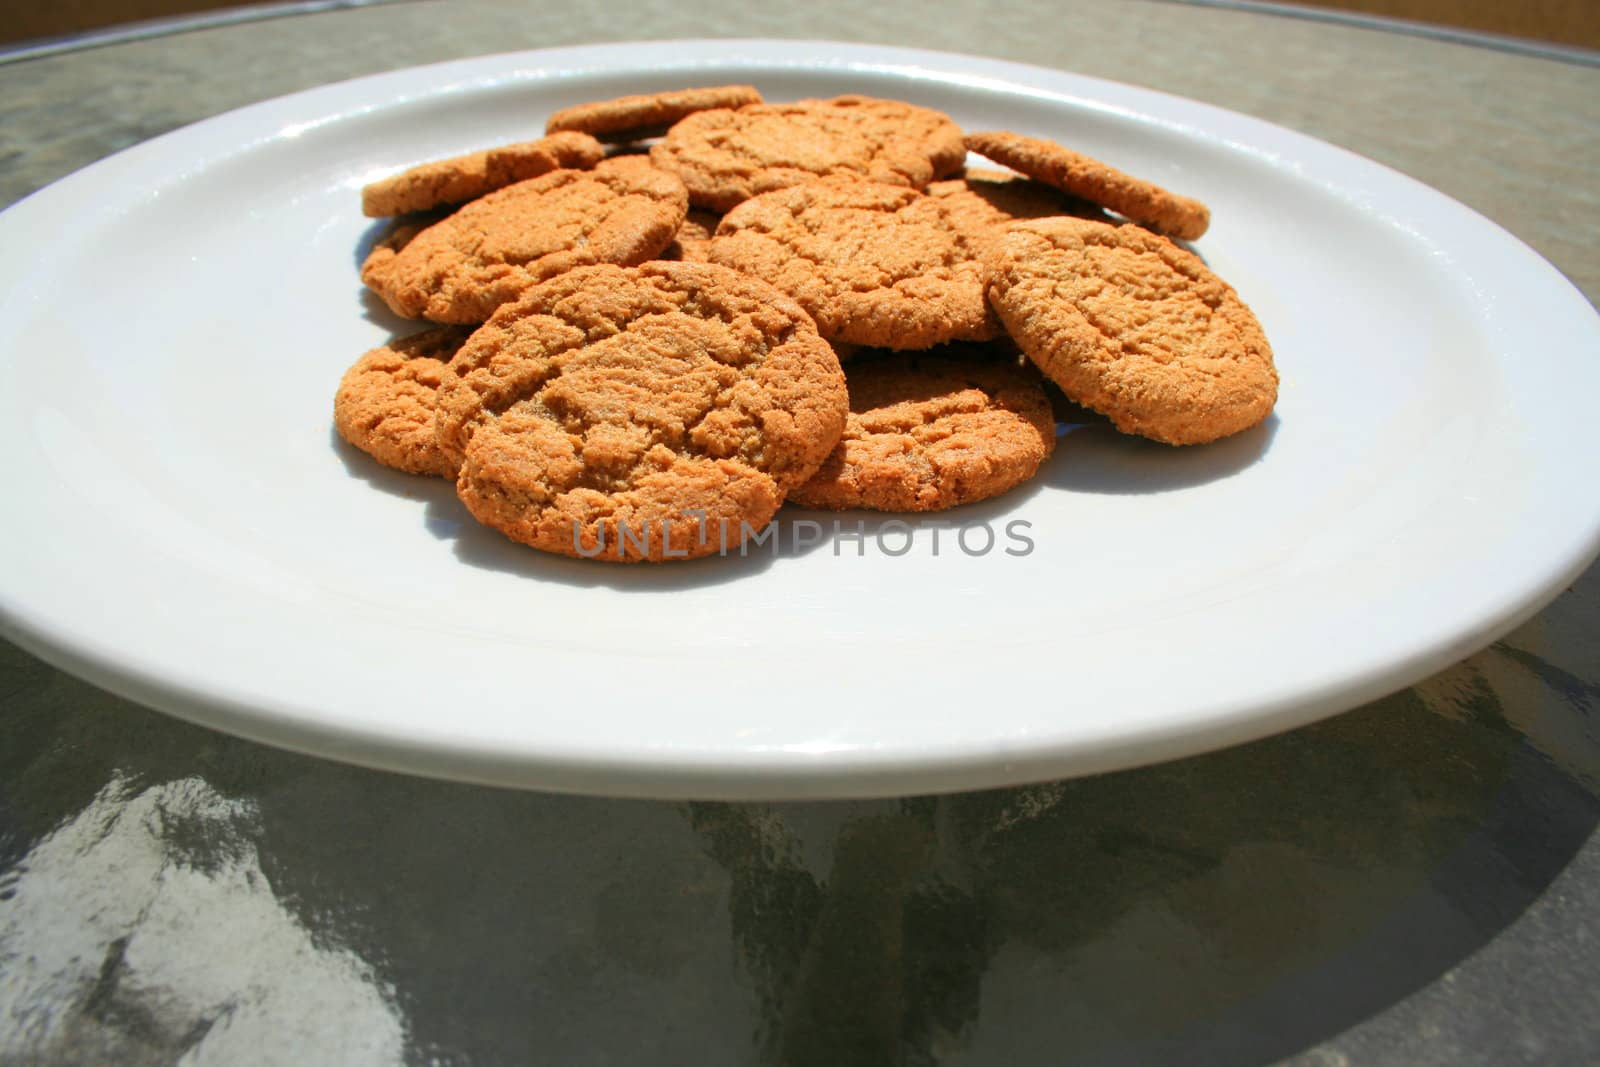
692 244
726 157
933 430
461 268
1132 326
979 199
653 413
1144 202
385 403
380 258
459 179
634 118
874 264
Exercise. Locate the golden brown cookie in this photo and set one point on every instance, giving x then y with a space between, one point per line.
693 241
634 118
461 268
874 264
1131 325
380 258
934 430
679 400
1144 202
726 157
982 200
462 178
385 403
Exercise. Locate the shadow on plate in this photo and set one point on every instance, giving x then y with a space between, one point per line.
1092 456
479 546
375 311
377 230
372 306
884 533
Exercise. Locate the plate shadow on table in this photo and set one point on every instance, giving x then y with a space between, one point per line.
1233 908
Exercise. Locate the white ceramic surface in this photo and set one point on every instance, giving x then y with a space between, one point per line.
182 527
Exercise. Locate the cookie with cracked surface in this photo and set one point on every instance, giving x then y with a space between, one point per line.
1144 202
981 201
929 431
726 157
379 260
653 413
1134 327
446 182
385 404
463 267
637 117
693 241
874 264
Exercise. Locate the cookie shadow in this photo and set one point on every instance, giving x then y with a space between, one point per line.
375 232
430 490
375 311
1094 457
381 228
794 532
479 546
848 532
1191 248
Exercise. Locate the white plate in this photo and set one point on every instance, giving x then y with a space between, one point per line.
183 528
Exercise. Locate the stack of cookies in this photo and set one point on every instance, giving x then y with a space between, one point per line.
641 354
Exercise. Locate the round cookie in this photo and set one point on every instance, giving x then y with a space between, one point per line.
385 403
380 258
929 431
726 157
981 201
874 264
1134 327
462 178
692 244
634 118
461 268
681 400
1144 202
